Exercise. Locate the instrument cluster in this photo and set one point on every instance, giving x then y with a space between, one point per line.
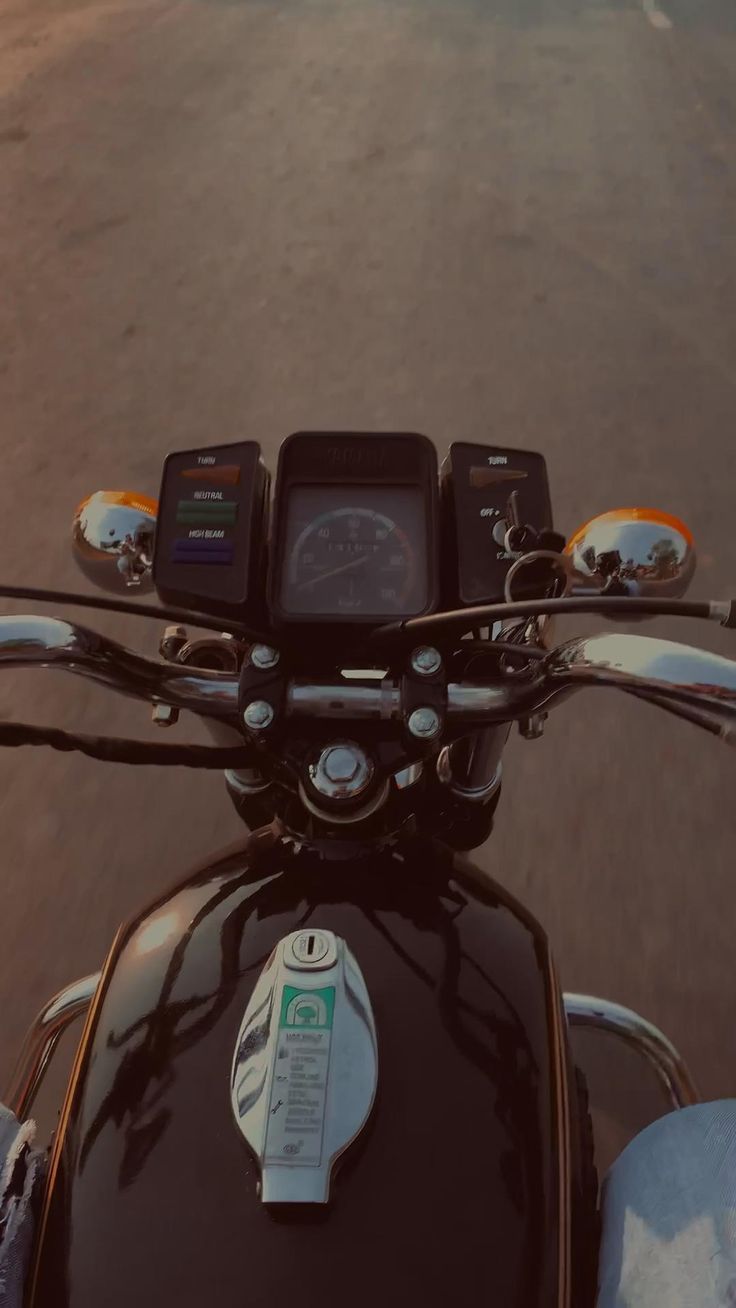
361 527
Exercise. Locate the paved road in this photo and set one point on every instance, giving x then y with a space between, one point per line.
512 219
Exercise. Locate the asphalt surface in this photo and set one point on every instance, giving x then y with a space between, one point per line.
507 220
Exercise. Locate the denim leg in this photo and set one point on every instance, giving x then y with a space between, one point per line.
20 1175
669 1214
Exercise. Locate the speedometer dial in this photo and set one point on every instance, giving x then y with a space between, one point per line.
356 559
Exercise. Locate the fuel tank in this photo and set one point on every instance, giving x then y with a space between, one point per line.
457 1191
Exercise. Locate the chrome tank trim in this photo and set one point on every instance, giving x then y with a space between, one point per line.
669 1065
41 1040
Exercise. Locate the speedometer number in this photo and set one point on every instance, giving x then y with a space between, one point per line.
352 560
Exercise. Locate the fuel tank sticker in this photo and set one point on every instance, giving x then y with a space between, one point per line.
296 1111
305 1065
307 1007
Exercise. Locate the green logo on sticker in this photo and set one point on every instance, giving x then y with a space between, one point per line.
305 1008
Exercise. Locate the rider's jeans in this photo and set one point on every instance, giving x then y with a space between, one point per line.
20 1177
669 1214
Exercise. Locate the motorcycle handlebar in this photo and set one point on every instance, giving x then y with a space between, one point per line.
53 643
693 683
382 702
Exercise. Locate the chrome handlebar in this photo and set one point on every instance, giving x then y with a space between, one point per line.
688 681
53 643
692 683
382 701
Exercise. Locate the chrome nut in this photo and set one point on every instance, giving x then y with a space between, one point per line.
258 715
424 723
173 640
264 657
426 660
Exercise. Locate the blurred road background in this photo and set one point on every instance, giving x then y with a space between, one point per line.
481 219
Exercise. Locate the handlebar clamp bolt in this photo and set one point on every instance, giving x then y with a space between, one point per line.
264 657
258 715
424 723
426 661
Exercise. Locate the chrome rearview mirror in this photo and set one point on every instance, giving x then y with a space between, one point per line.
112 540
635 552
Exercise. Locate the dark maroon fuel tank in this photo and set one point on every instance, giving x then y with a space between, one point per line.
456 1192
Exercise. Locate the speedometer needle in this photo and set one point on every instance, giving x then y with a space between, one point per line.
344 567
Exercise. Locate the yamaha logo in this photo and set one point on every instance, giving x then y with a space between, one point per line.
370 457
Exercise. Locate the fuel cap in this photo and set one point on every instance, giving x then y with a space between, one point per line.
305 1066
312 949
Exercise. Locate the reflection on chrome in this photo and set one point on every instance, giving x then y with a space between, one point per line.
408 776
323 700
42 1039
652 553
697 685
668 673
624 659
643 1036
52 643
112 540
475 763
474 698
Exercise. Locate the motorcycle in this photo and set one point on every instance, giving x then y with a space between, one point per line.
335 1061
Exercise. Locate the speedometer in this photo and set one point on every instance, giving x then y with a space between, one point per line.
354 552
